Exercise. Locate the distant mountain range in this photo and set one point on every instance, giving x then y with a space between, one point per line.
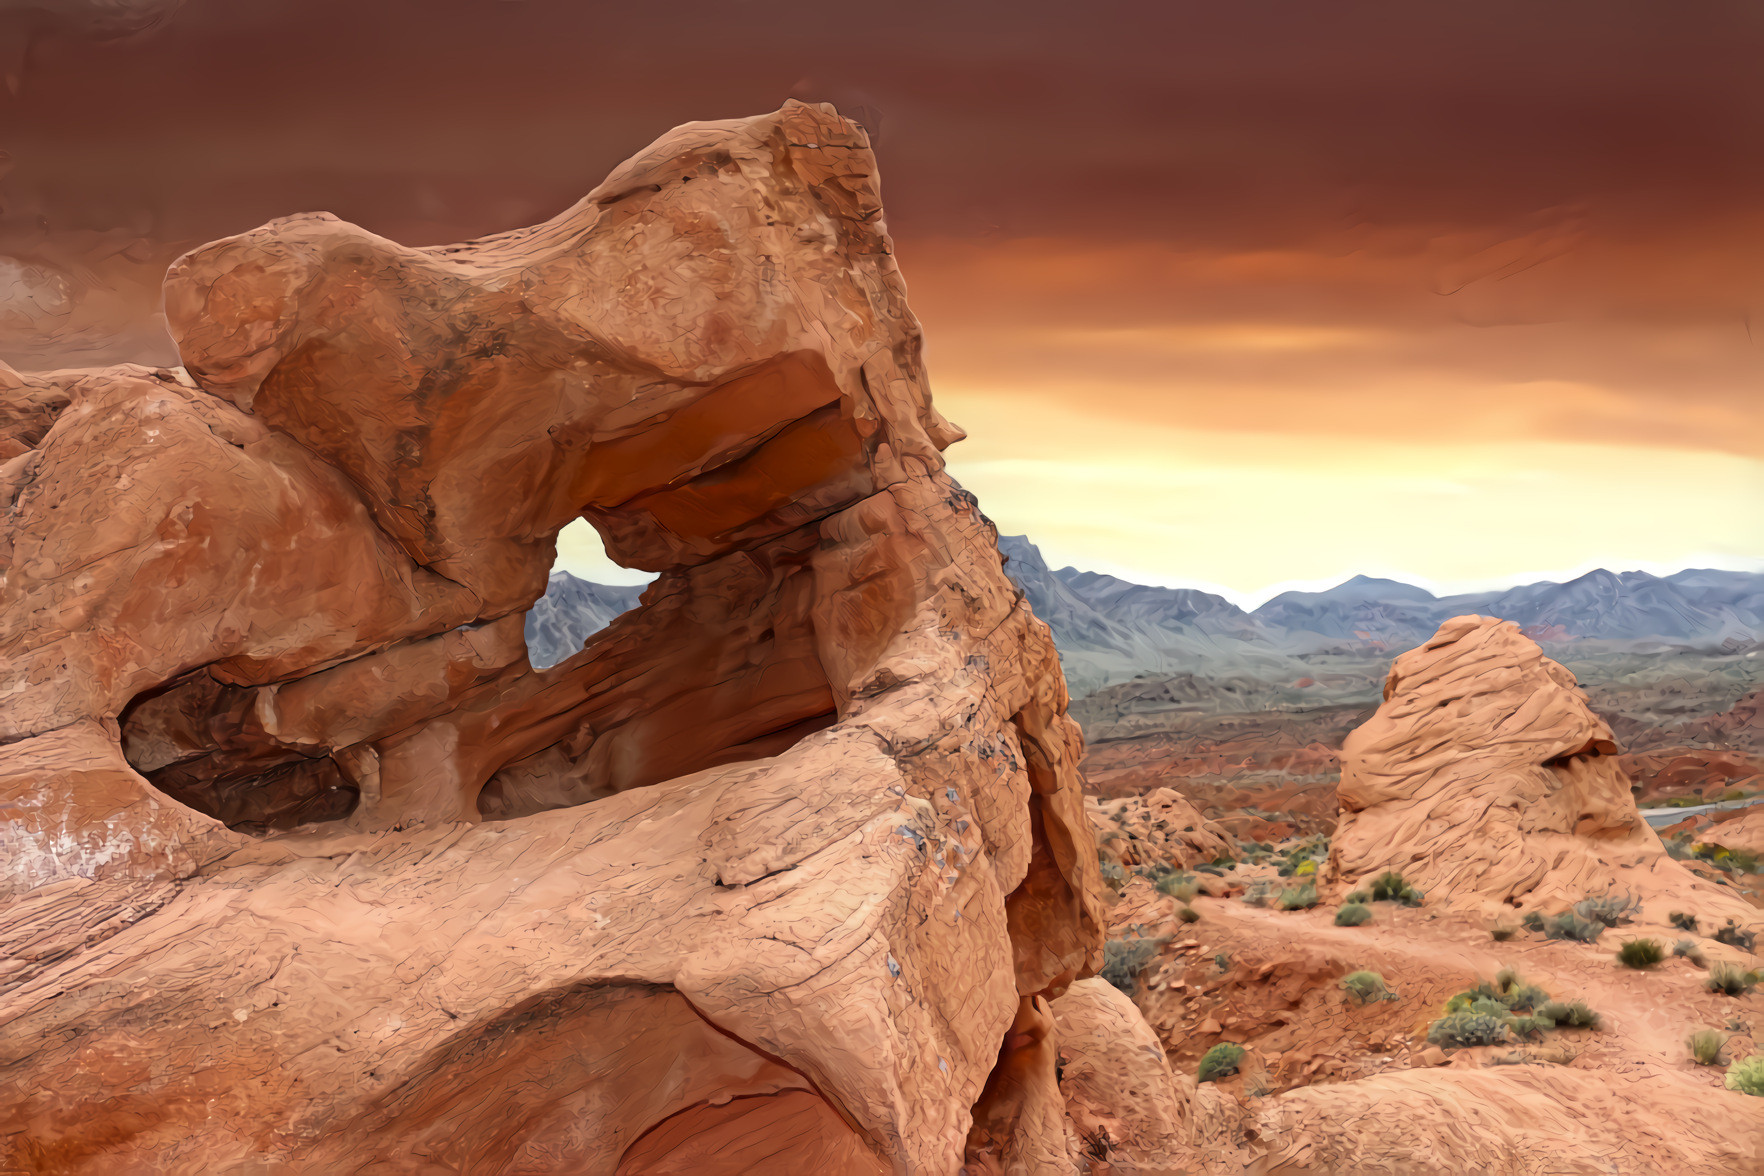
570 612
1111 630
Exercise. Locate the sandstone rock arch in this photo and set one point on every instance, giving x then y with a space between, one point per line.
296 829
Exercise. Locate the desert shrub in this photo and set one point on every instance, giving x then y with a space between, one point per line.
1366 987
1284 870
1530 1028
1180 887
1188 915
1683 921
1299 898
1690 950
1641 953
1388 887
1569 1014
1533 921
1502 934
1412 896
1568 925
1222 962
1505 979
1730 979
1747 1076
1735 936
1113 876
1463 1029
1352 915
1705 1046
1360 896
1125 959
1306 868
1256 895
1609 909
1219 1062
1524 998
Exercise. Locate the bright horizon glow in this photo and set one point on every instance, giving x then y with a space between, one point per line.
580 553
1250 515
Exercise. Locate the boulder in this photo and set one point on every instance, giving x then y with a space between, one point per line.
1486 781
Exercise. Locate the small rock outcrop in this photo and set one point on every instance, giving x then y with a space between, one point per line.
1487 781
312 871
1159 827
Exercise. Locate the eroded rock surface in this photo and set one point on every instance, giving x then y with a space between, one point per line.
1486 781
310 878
1158 828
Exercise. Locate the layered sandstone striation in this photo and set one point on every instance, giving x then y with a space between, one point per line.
313 872
1486 781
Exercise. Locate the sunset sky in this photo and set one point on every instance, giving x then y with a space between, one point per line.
1238 295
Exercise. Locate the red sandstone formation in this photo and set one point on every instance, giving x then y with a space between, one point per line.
305 873
1158 827
1741 829
1486 781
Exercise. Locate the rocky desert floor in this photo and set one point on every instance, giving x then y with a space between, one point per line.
1226 930
1321 1071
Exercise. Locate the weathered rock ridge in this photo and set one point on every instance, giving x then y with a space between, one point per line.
1486 780
302 873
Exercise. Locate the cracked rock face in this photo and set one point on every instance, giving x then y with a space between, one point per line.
1486 780
310 871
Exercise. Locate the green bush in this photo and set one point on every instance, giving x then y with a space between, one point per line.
1730 979
1219 1062
1352 915
1463 1029
1113 875
1568 925
1299 898
1610 909
1360 896
1705 1046
1180 887
1570 1015
1690 950
1523 998
1735 936
1530 1028
1533 921
1366 987
1188 915
1388 887
1641 953
1125 959
1747 1076
1683 921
